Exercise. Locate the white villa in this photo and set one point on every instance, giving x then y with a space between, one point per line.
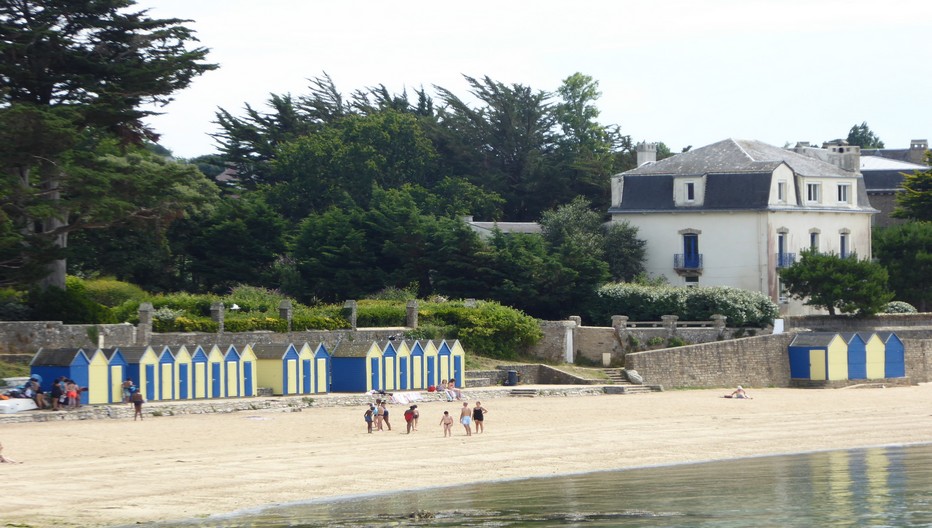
734 212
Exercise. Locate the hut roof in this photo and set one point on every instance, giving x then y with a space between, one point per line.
352 349
273 351
813 339
134 354
54 357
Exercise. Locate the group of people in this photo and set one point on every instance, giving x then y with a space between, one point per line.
450 390
376 417
474 416
65 394
132 394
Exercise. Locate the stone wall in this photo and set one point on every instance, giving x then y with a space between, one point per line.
552 347
593 341
752 361
26 337
918 357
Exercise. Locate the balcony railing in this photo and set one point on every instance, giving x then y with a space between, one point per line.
785 260
688 261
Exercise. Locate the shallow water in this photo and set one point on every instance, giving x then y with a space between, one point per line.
865 487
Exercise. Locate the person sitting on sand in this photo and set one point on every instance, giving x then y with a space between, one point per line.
5 460
739 393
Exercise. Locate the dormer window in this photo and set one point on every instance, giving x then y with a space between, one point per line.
781 192
814 192
690 192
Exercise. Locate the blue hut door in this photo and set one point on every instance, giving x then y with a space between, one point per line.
247 378
183 381
431 380
376 375
403 371
150 382
458 370
215 380
306 376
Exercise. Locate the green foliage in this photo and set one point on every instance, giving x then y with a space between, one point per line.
73 305
111 292
13 305
915 202
862 136
624 251
380 313
648 303
488 329
186 324
655 341
895 307
676 341
13 370
831 282
905 251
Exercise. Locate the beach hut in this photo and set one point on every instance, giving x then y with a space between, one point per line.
403 351
116 373
444 361
431 369
183 373
857 356
389 381
874 347
200 373
248 384
818 356
418 367
52 363
305 368
458 362
216 386
278 368
894 361
98 378
167 377
231 372
356 366
142 367
322 370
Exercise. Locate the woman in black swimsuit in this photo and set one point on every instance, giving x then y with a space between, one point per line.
478 414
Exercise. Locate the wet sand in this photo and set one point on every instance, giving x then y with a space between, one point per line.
112 472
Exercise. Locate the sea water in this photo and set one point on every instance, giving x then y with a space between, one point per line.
889 486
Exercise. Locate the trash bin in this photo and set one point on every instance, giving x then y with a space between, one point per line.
512 378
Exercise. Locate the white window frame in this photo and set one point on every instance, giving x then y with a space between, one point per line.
690 191
844 193
781 191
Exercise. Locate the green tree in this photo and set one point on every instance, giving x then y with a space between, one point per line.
624 251
862 136
905 251
915 201
75 78
828 281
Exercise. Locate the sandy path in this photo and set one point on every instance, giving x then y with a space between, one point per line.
106 472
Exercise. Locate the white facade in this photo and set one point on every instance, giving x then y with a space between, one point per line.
742 219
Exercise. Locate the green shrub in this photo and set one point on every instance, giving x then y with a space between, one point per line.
186 324
71 305
655 341
895 307
676 342
380 313
649 303
13 306
194 305
111 292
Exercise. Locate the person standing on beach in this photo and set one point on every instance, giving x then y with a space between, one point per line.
137 404
378 414
409 419
127 390
417 414
466 418
385 415
478 415
370 412
447 422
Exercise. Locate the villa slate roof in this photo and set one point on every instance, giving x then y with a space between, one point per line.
738 156
723 191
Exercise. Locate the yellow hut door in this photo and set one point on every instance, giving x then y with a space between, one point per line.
817 365
321 372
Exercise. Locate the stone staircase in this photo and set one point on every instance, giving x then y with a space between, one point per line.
524 393
618 383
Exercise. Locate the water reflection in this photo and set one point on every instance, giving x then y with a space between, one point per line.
871 487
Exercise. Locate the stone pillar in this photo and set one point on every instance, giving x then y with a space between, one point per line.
572 337
144 330
411 314
569 345
718 322
620 324
669 322
216 315
285 312
349 311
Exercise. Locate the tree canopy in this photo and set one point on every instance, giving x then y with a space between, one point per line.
846 284
75 79
915 201
862 136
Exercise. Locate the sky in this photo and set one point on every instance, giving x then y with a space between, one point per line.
684 72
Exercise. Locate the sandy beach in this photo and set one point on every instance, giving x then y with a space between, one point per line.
111 472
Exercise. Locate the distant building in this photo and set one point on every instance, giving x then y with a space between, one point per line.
733 213
916 153
883 178
486 229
